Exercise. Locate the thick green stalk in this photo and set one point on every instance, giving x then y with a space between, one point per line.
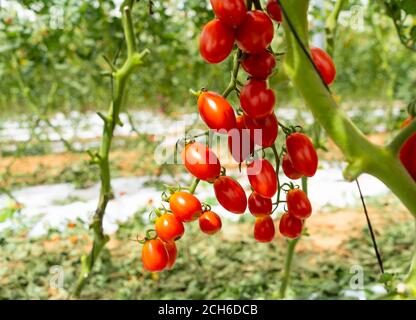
111 120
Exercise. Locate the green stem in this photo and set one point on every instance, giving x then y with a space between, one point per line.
290 253
277 161
111 120
288 267
193 186
331 25
234 73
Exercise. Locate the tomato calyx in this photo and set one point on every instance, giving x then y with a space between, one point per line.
288 130
148 236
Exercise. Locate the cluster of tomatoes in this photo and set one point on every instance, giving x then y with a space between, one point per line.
255 125
159 252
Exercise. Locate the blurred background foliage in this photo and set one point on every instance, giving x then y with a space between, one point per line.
51 55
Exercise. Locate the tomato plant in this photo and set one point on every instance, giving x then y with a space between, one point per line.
215 110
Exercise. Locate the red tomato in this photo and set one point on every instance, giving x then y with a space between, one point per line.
290 226
154 255
231 12
302 154
210 222
230 194
288 168
169 228
262 177
274 11
201 161
185 206
264 131
256 99
255 33
216 41
407 155
240 143
324 64
264 230
216 111
298 204
259 66
172 254
258 205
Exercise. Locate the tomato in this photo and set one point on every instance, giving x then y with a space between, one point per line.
298 204
290 226
185 206
154 255
407 155
240 143
201 161
256 99
264 131
258 205
324 64
274 11
264 230
289 170
259 66
172 254
231 12
216 41
216 111
169 228
255 33
230 194
302 154
210 222
262 177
